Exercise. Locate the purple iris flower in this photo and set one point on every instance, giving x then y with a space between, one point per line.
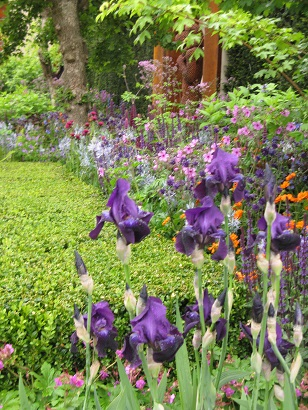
282 238
152 328
131 222
192 318
202 230
283 345
223 173
102 329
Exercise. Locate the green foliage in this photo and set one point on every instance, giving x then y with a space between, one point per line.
23 102
19 71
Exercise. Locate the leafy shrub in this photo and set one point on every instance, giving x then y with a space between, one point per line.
23 102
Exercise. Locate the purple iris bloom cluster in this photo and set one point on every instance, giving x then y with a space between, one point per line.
151 327
131 221
282 238
283 345
192 318
223 174
202 229
102 329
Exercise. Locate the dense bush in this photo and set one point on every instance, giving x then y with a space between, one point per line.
50 216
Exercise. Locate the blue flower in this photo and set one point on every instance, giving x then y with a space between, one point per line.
202 230
192 318
102 330
152 327
223 173
131 222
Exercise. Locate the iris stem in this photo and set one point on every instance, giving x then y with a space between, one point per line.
226 310
265 313
127 273
88 355
200 300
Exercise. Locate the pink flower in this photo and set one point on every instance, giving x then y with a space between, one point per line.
279 130
147 126
207 157
193 143
138 157
236 151
69 124
103 375
181 113
285 113
246 391
163 156
243 131
290 126
246 111
85 132
101 171
188 149
140 384
257 125
235 111
226 139
233 120
229 392
298 392
189 172
1 365
58 382
76 381
100 123
119 353
171 398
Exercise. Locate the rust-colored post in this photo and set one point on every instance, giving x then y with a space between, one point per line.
212 58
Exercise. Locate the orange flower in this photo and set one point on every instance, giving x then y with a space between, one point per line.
291 224
234 240
291 176
239 276
300 225
237 205
183 216
238 251
213 247
278 199
234 186
166 220
174 239
284 185
238 214
302 195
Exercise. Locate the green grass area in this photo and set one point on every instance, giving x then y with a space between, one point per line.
46 213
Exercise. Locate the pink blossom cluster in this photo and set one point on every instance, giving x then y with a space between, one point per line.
66 379
5 353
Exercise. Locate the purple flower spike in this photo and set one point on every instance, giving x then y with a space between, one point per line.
102 329
131 222
192 318
202 230
223 173
282 238
152 328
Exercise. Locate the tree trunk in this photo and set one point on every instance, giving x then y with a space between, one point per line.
73 49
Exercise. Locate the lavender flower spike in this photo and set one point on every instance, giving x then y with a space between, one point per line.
131 222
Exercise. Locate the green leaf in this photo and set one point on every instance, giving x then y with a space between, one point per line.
183 369
227 376
96 401
24 402
289 402
119 402
162 387
130 396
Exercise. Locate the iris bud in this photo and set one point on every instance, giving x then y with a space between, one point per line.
262 263
123 250
229 262
86 280
130 301
266 369
279 394
196 341
142 300
276 263
256 362
295 367
79 325
225 205
93 370
271 324
270 213
208 338
197 257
